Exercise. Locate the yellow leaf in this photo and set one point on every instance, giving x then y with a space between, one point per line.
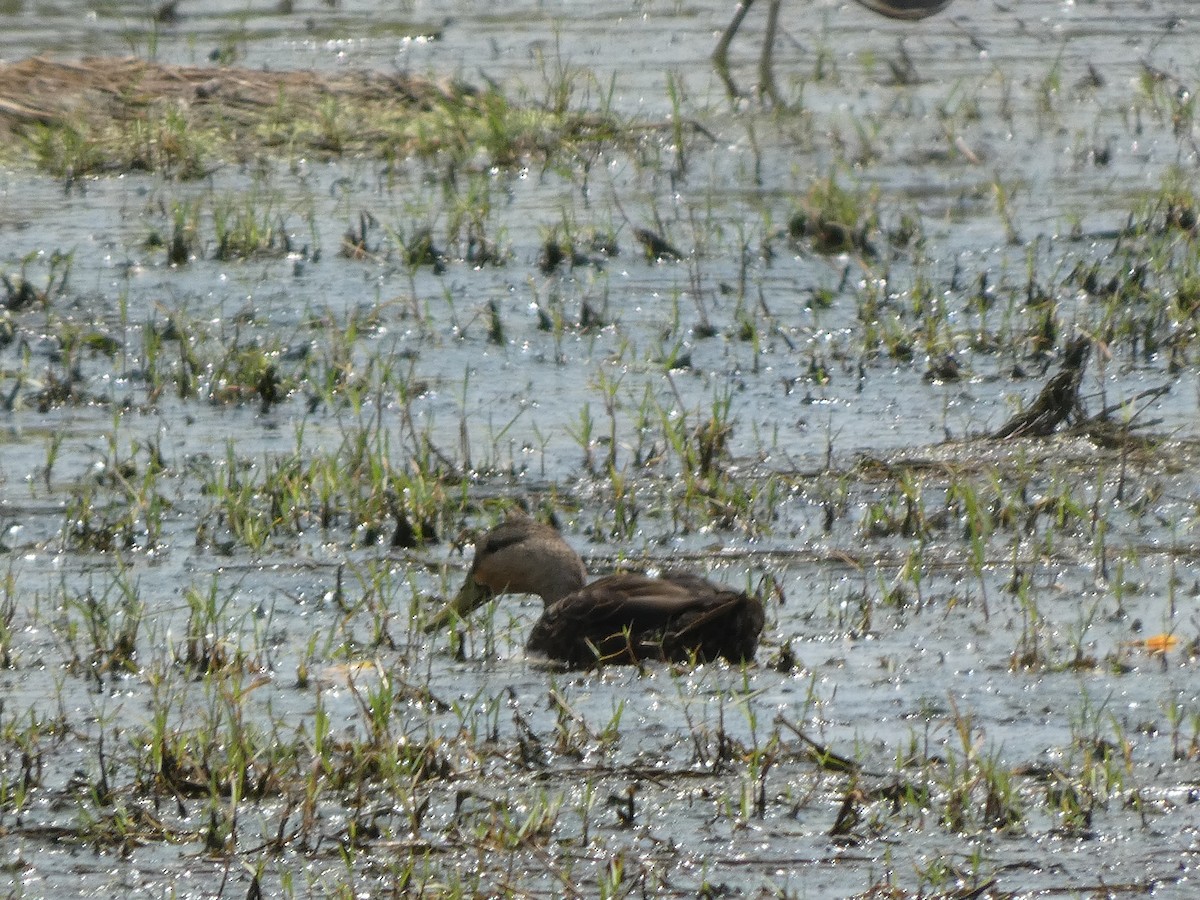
1160 643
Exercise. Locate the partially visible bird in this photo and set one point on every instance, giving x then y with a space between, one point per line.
893 9
618 619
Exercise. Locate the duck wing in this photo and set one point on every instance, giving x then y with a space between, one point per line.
626 618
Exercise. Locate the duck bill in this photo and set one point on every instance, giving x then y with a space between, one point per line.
471 595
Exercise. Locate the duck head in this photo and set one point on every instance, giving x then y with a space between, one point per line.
520 556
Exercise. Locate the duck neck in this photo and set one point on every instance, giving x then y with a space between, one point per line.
560 577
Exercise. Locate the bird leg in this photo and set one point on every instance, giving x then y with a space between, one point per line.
766 77
911 10
766 74
720 55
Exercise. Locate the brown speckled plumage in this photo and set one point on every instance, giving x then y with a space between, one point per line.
621 618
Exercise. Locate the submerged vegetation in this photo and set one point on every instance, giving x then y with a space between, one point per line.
316 332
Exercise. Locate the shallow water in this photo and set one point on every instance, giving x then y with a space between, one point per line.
1021 654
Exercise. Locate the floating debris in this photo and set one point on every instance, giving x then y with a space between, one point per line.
1058 400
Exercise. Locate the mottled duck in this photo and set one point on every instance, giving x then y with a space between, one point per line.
618 619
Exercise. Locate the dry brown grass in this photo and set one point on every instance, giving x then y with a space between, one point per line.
100 90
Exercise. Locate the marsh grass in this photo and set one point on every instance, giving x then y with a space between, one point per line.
237 115
20 291
358 489
230 648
